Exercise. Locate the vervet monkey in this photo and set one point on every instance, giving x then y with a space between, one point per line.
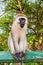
17 38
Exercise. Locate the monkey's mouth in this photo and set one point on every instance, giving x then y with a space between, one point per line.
22 25
22 22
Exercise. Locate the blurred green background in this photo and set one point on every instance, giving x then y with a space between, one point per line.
33 9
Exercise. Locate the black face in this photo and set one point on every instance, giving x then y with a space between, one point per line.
22 22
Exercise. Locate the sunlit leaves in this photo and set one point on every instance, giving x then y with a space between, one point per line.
34 12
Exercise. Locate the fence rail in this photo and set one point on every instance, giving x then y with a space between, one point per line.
33 56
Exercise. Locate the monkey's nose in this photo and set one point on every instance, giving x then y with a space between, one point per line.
22 22
21 25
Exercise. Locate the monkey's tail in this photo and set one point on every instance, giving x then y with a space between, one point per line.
21 61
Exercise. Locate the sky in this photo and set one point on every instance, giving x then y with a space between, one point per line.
1 7
32 0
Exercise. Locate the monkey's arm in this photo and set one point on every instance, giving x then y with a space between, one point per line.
14 36
23 42
10 44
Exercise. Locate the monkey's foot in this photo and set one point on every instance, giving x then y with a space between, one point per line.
22 55
19 56
16 56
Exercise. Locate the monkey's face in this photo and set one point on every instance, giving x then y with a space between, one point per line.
21 20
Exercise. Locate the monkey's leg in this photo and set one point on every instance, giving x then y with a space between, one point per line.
16 45
23 42
12 48
14 35
22 50
23 45
11 45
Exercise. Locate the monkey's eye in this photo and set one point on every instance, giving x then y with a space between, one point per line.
22 19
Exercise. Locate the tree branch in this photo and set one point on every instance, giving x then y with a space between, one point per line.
19 5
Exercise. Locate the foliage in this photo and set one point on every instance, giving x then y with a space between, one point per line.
34 12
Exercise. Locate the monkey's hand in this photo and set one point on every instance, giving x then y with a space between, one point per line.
21 56
16 56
